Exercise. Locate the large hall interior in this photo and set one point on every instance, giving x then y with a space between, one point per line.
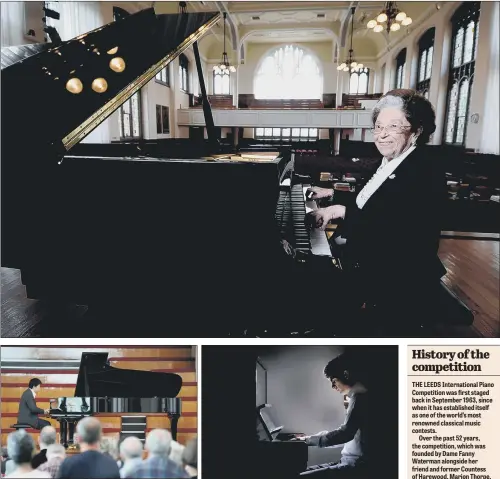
210 110
132 391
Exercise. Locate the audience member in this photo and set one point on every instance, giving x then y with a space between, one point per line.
91 463
20 448
176 451
109 447
190 458
48 436
55 456
158 464
131 456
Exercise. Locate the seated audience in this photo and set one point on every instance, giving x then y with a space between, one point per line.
190 458
21 447
55 456
48 436
131 456
91 463
158 464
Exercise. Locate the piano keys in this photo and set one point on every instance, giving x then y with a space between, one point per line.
104 389
291 211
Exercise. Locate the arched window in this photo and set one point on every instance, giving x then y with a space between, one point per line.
425 54
465 27
289 72
358 84
400 68
221 82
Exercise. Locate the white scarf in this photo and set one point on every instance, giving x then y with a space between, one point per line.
384 171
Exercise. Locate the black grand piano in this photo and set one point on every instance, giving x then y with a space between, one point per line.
172 231
102 388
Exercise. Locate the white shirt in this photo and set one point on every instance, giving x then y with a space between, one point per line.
34 393
34 473
385 170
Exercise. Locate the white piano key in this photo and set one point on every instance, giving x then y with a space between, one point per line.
319 240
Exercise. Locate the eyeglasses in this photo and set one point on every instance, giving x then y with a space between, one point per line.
392 128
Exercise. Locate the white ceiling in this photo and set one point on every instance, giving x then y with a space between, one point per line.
266 22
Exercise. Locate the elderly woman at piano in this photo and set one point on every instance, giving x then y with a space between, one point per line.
390 270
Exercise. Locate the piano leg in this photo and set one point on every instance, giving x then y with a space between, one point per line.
174 419
71 433
64 433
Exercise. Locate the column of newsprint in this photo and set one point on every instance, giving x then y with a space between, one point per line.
454 412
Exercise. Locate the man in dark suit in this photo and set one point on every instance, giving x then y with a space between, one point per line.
28 410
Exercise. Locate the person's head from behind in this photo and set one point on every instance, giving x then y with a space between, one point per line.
340 374
131 448
89 431
190 457
35 385
176 450
20 447
56 450
158 442
108 446
400 119
48 436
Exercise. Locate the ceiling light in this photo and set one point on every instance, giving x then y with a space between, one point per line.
393 16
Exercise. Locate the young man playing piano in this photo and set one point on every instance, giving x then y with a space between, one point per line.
359 433
28 410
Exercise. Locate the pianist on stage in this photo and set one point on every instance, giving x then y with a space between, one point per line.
28 410
389 257
359 433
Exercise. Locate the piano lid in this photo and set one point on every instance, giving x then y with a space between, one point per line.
97 378
105 66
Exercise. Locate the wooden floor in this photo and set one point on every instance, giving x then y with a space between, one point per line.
473 274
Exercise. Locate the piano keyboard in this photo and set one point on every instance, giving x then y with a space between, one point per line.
291 217
319 240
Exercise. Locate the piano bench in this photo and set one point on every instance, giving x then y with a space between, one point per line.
19 426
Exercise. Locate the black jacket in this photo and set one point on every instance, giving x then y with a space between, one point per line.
28 411
393 240
39 459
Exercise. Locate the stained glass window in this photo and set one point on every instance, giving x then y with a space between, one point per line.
465 25
289 72
400 68
425 54
222 82
130 118
358 84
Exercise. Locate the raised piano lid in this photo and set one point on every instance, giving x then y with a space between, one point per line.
97 378
34 88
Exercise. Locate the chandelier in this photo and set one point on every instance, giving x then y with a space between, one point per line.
350 63
224 67
393 16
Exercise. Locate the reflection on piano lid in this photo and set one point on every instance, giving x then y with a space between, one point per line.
97 378
56 87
